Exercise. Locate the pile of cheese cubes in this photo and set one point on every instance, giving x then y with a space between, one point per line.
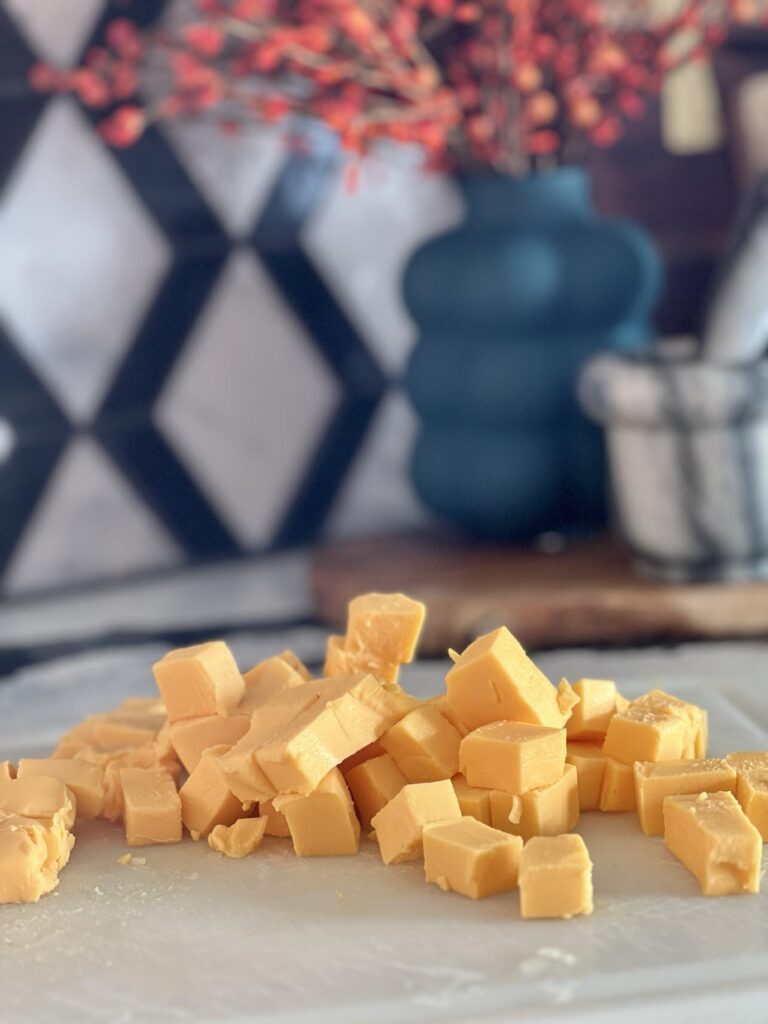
484 782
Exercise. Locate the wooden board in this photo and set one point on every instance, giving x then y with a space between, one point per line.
585 594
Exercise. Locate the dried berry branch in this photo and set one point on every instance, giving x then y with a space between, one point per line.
495 83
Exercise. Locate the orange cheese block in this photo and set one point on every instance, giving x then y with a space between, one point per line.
494 680
470 858
385 626
589 762
82 778
151 807
694 717
752 787
399 824
548 811
424 745
473 801
32 853
352 714
271 676
597 706
323 823
618 792
198 681
276 823
191 736
238 840
555 877
655 782
373 784
715 840
38 797
367 753
206 799
340 662
646 733
441 702
512 756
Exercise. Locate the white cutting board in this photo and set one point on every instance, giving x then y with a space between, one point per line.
191 936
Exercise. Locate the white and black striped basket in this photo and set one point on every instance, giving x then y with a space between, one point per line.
688 451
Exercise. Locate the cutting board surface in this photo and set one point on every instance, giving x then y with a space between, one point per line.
586 593
191 936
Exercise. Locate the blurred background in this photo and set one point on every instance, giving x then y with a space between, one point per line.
207 352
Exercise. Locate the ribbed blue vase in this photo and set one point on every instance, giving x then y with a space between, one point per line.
510 306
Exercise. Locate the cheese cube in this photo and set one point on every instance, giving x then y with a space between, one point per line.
356 713
38 797
341 662
473 801
589 762
244 776
197 681
618 792
752 787
424 744
597 706
694 717
548 811
366 753
715 840
32 853
7 770
206 799
555 877
441 702
470 858
494 679
152 808
386 626
191 736
512 756
646 733
654 782
82 778
323 823
277 824
399 825
271 676
373 784
238 840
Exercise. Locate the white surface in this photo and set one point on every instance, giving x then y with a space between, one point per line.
191 936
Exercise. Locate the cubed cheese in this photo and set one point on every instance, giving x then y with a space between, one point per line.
322 823
152 808
200 680
473 801
752 787
715 840
512 756
470 858
494 679
206 799
654 782
618 792
400 823
191 736
596 707
82 778
373 784
589 762
424 744
238 840
555 877
548 811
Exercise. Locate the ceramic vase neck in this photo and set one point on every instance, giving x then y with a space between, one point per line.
539 199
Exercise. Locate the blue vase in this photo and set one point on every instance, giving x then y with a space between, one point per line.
510 306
